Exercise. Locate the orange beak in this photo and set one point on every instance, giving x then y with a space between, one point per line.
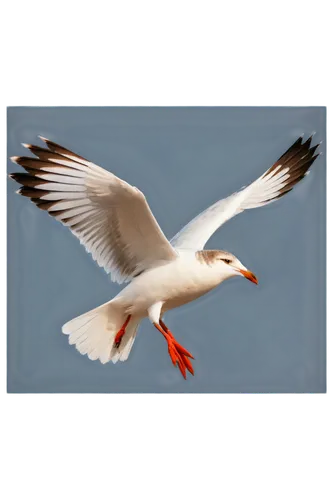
250 276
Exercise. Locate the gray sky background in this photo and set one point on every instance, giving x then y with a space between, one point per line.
269 338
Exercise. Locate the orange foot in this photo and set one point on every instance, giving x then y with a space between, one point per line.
178 354
121 333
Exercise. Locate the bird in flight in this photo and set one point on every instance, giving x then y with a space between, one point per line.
112 219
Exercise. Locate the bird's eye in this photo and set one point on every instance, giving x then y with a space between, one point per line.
227 261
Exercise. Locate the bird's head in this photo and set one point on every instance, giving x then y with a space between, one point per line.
226 263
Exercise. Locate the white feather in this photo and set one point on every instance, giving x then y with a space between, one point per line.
261 192
108 215
93 333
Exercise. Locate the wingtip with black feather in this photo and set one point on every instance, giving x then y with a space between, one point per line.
296 162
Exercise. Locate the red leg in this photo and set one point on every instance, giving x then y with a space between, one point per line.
179 347
183 353
121 333
179 355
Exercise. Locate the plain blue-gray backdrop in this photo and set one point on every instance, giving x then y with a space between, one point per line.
269 338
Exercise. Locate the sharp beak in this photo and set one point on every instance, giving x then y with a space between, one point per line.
250 276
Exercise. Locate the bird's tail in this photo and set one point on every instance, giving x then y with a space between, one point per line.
93 333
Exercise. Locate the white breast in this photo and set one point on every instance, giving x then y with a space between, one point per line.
175 284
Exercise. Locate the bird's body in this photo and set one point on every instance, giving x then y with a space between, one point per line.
173 284
113 221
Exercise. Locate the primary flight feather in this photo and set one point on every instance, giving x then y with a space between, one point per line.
112 219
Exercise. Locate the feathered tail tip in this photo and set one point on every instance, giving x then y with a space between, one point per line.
94 333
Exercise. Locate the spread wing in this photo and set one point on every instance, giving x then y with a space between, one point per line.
289 169
111 218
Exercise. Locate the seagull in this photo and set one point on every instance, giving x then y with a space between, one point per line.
113 221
